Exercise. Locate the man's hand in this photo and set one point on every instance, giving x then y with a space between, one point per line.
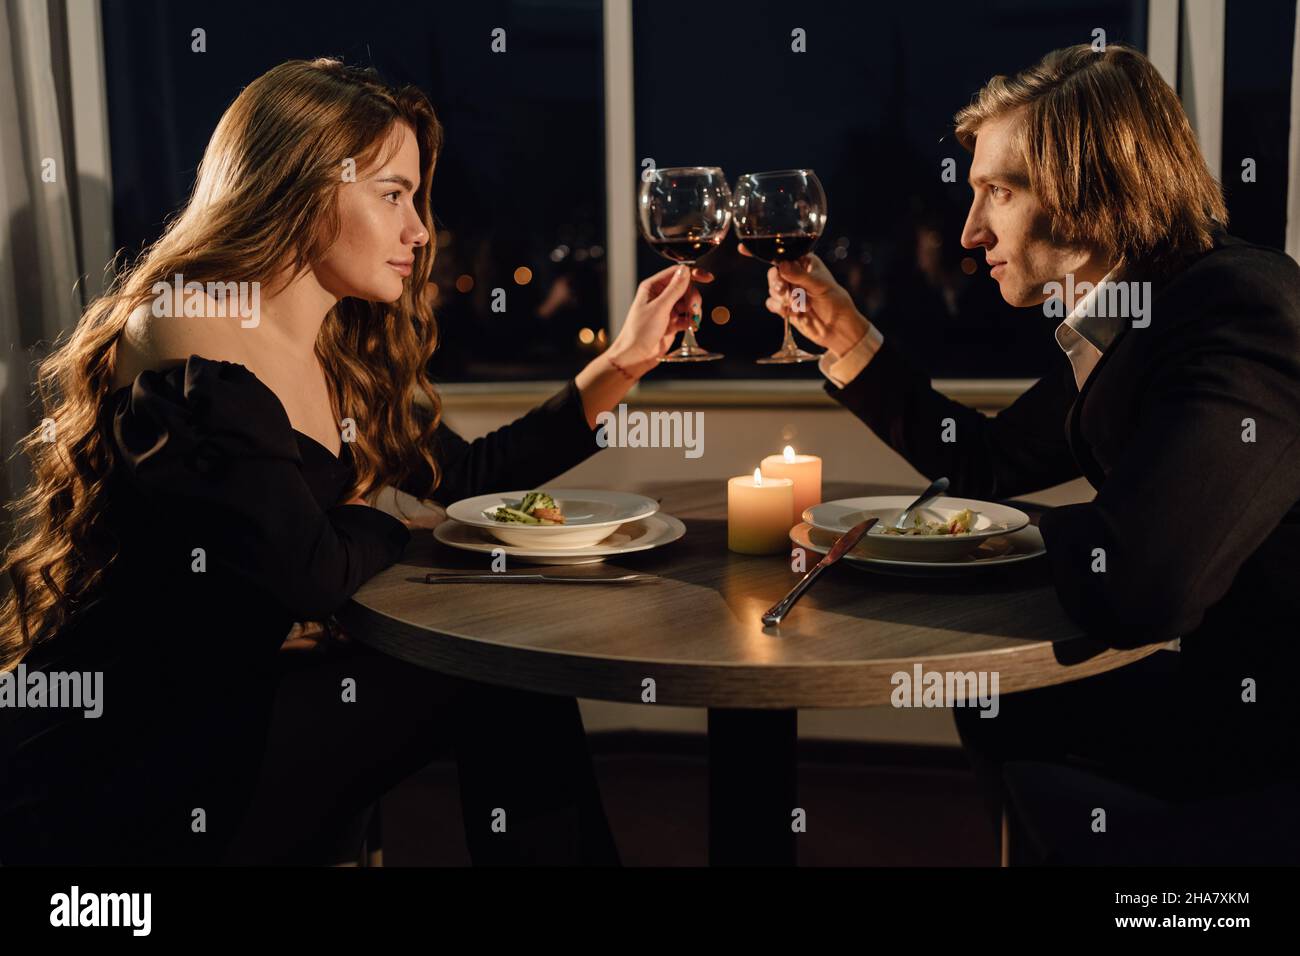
828 316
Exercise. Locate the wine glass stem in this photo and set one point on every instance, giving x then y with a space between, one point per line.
788 344
688 341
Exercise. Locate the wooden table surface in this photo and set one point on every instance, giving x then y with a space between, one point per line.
696 629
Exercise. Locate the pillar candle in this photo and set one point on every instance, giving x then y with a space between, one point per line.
806 473
758 513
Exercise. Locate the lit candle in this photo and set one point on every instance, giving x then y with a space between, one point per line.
806 473
758 513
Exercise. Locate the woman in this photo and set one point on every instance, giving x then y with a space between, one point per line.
201 483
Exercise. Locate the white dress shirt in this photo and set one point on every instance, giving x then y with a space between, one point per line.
843 369
1082 337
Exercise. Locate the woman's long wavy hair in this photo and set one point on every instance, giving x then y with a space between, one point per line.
265 198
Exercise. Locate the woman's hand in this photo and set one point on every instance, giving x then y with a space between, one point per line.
311 635
666 303
828 316
426 516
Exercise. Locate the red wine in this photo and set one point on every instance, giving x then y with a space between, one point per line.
685 250
780 248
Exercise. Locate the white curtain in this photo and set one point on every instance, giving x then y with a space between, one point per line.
40 265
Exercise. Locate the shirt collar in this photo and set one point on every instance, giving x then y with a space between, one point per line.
1099 330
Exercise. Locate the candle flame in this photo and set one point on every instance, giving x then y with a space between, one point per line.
758 477
788 453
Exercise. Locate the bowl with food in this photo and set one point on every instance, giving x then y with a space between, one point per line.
552 518
944 528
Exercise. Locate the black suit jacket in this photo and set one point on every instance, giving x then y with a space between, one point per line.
1200 528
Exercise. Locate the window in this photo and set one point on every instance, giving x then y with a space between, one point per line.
519 190
1258 40
869 107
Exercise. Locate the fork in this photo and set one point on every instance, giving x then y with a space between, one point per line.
937 487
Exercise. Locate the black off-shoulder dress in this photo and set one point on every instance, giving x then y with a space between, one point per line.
229 531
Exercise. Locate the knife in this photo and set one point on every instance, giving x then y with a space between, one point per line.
531 578
845 544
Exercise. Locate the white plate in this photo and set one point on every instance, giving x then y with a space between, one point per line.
1023 545
652 532
589 516
991 520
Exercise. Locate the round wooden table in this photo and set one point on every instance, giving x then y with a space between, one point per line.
693 637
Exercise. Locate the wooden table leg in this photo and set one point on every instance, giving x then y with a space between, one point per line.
1006 837
753 787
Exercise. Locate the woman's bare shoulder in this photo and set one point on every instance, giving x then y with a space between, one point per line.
157 342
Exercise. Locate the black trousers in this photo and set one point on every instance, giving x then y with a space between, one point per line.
528 789
1148 725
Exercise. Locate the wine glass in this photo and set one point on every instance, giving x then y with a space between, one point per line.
779 217
684 213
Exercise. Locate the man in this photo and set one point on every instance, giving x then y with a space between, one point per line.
1183 412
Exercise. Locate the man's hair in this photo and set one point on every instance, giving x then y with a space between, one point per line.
1110 153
